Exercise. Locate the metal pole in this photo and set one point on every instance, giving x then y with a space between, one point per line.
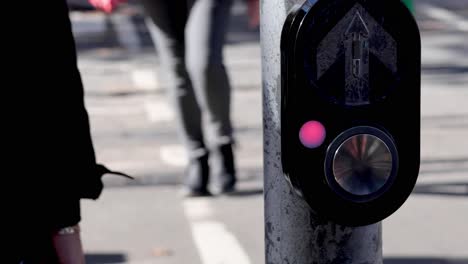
292 233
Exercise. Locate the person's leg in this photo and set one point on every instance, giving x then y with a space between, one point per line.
205 37
167 29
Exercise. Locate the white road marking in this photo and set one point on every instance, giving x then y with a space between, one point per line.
446 16
144 80
215 243
159 111
198 209
99 110
174 155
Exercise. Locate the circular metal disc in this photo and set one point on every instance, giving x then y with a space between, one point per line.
362 164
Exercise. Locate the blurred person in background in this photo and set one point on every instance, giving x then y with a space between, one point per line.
50 157
189 35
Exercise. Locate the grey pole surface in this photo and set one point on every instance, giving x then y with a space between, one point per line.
293 235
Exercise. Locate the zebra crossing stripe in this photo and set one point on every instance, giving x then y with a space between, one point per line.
449 17
174 155
145 79
215 243
158 111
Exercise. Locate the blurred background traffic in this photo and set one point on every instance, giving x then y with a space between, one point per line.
147 221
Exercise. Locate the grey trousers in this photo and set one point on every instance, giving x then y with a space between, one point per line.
189 36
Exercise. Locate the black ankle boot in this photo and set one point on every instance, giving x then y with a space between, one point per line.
224 169
197 177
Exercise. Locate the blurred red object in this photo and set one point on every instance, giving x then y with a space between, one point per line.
254 13
106 5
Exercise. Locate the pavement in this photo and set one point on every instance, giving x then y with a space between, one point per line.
147 221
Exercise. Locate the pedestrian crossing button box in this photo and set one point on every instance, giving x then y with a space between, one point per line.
350 107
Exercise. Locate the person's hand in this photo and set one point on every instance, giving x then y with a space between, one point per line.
106 5
68 247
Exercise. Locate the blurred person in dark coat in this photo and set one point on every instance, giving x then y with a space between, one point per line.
50 164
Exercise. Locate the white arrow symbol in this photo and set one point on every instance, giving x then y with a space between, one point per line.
357 62
355 37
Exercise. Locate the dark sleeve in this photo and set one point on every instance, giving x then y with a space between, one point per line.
66 215
51 150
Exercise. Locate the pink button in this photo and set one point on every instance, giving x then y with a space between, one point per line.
312 134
